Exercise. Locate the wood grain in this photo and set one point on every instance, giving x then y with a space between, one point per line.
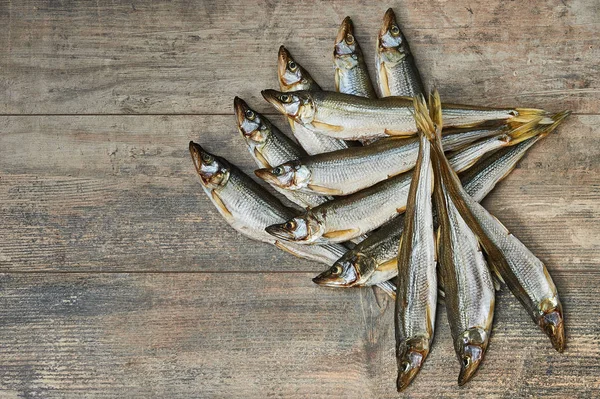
194 57
119 279
266 335
121 194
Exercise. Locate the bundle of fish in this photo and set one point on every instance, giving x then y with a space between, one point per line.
371 209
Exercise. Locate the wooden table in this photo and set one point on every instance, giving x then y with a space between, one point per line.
119 279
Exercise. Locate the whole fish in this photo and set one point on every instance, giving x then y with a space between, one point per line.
269 146
397 74
348 117
464 276
525 275
293 77
351 74
416 293
248 207
347 171
375 259
346 218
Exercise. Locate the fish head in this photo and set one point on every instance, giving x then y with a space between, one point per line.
551 321
471 346
298 105
290 175
251 125
346 51
291 75
410 357
346 271
303 228
391 43
213 170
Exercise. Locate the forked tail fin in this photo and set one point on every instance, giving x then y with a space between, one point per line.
525 115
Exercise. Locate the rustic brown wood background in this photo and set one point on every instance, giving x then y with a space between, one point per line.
119 279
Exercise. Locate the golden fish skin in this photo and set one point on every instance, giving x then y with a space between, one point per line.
268 146
249 208
351 74
397 73
416 293
348 117
293 77
525 275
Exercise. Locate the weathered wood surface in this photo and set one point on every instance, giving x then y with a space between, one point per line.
262 335
120 194
193 57
203 311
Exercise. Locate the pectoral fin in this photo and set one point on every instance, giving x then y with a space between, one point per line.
342 235
326 127
383 81
391 132
324 190
261 159
219 203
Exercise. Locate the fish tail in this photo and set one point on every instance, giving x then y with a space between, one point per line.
525 131
525 115
435 110
536 127
422 117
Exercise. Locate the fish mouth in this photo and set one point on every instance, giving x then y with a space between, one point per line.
389 19
346 28
272 96
470 364
283 58
552 323
266 175
196 152
411 360
240 107
279 231
329 279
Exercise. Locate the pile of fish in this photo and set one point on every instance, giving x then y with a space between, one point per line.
389 183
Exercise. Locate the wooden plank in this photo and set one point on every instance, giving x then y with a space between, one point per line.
120 194
193 57
262 335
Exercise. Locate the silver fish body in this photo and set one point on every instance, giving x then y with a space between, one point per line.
467 283
351 74
416 293
268 146
349 217
249 208
347 171
525 275
350 117
397 73
375 259
293 77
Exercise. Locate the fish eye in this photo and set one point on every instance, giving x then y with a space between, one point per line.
278 171
349 39
337 269
206 158
394 30
292 65
290 225
465 361
285 98
249 114
405 366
